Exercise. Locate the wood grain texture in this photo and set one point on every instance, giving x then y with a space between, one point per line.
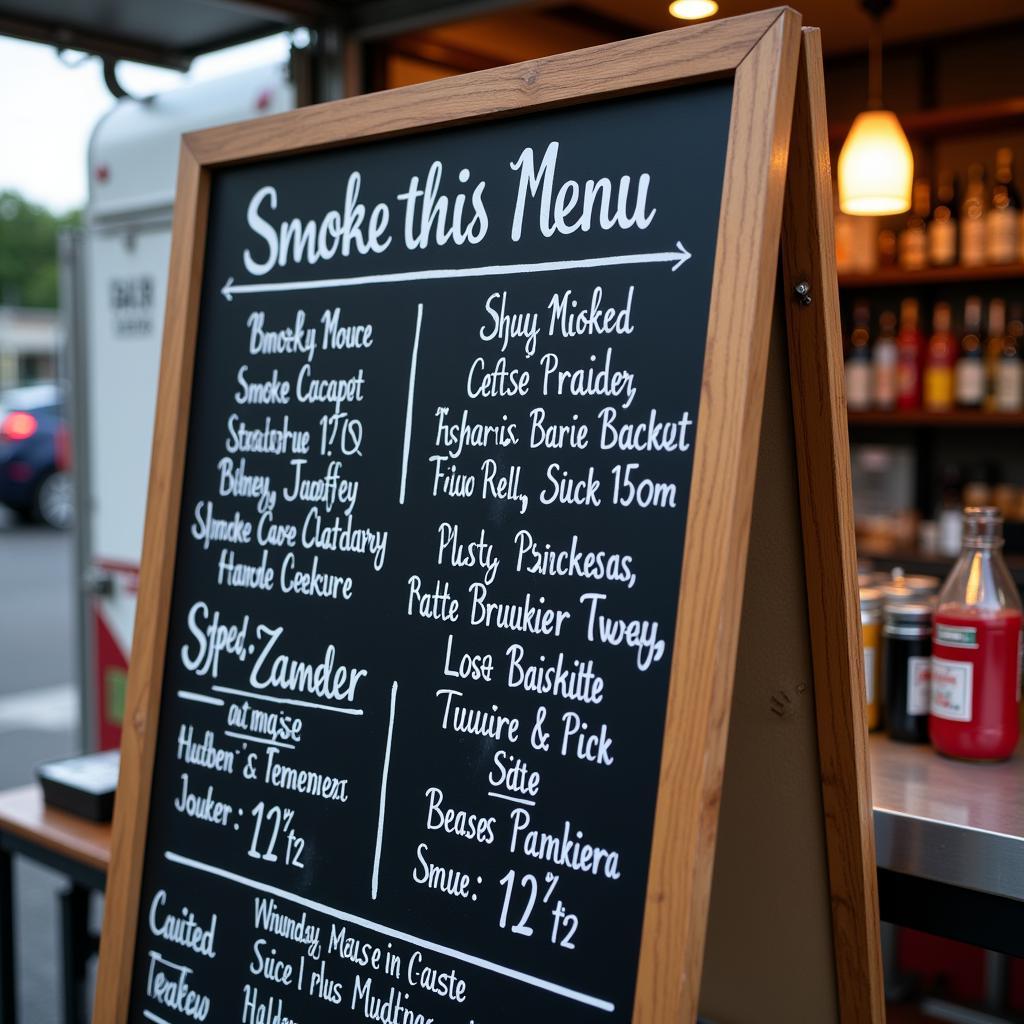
24 813
615 69
718 527
826 504
145 673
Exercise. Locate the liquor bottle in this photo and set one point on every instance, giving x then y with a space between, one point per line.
844 228
994 341
884 358
942 225
1010 371
938 370
972 219
858 362
969 372
949 514
887 248
913 240
976 648
1002 222
910 343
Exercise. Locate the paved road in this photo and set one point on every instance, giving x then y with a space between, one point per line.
38 721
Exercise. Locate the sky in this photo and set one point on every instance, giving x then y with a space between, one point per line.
49 106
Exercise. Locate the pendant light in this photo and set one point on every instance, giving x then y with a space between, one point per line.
876 164
692 10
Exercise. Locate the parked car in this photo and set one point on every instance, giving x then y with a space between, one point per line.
35 477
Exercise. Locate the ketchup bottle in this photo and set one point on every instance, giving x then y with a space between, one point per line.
976 649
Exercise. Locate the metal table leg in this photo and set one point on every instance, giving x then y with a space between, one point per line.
8 997
74 912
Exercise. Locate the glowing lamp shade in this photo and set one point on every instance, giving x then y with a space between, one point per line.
692 10
876 166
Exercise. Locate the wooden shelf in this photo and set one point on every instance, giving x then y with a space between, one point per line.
938 420
893 277
934 564
962 119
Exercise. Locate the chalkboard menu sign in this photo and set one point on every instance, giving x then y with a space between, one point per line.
416 617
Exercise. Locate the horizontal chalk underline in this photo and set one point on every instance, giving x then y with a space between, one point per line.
200 698
677 257
295 702
258 739
392 933
150 1015
514 799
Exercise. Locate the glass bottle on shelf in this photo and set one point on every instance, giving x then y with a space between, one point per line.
938 370
844 242
976 649
994 341
913 239
910 343
887 248
858 362
1010 371
949 515
942 225
972 219
884 358
1002 222
969 372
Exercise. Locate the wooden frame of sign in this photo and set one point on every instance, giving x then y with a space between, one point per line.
761 53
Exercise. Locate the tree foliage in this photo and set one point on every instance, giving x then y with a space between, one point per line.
28 251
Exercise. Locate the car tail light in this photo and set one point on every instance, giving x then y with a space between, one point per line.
17 426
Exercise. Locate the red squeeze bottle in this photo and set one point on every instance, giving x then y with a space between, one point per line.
976 649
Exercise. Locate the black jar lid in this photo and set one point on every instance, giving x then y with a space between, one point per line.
912 619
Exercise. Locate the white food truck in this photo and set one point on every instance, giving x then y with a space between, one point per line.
113 297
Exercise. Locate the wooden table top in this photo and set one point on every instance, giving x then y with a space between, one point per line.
23 813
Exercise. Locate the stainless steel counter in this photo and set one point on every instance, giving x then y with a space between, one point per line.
949 821
949 839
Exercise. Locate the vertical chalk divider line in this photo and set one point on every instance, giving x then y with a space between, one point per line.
384 773
409 402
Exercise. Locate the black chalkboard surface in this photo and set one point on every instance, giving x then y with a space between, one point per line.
428 562
453 471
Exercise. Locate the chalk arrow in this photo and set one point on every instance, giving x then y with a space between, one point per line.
677 257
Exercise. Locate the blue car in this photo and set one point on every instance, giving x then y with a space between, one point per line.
35 478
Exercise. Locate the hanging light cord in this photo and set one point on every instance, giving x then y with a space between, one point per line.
875 65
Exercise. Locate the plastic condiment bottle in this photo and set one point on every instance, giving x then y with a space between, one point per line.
976 649
870 624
